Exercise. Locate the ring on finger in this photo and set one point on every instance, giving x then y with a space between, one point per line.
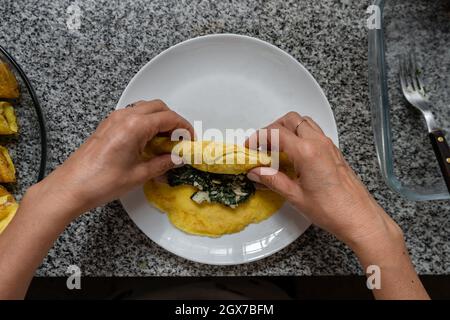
298 125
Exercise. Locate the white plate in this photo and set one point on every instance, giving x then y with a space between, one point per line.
227 81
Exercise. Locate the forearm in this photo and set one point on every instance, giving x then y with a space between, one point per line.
388 251
24 244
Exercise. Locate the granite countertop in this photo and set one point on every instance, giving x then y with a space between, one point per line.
79 76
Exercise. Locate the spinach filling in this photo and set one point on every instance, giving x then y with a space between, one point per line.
227 189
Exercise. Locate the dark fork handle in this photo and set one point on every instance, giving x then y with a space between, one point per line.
442 151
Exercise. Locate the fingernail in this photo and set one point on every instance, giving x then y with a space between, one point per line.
267 171
254 177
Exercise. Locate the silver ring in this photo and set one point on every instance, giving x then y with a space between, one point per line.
300 123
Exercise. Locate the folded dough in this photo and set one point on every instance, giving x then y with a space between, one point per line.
207 218
216 157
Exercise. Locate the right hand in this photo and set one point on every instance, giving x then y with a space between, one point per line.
327 191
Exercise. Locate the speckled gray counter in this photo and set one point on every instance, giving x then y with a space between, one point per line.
79 77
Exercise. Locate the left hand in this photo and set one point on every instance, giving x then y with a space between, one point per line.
110 162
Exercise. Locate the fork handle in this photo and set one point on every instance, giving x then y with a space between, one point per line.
442 151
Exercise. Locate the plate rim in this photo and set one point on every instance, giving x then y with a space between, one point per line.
227 36
236 36
263 256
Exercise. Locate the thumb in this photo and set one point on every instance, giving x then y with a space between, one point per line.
156 166
276 181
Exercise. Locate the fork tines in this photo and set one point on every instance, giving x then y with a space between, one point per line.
410 74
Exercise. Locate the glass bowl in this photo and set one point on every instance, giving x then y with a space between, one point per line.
405 155
28 149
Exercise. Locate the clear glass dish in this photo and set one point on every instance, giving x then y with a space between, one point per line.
28 149
405 155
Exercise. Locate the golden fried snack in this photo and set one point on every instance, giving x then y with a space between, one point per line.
9 88
7 170
8 120
8 208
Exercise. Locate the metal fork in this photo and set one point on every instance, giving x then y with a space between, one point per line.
416 94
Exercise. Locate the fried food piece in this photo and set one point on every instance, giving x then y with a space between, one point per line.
8 120
9 88
8 208
7 169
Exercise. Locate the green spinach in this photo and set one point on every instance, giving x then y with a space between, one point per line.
227 189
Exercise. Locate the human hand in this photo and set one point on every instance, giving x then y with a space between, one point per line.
110 162
327 190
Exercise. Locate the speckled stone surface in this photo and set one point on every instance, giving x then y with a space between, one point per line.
79 77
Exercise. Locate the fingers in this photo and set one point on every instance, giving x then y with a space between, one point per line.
303 127
290 120
165 121
156 106
274 137
145 125
280 138
155 167
278 182
146 107
154 117
300 138
314 124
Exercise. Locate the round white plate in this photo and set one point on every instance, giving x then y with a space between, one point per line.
226 81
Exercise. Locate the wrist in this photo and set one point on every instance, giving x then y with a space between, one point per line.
53 201
368 224
383 242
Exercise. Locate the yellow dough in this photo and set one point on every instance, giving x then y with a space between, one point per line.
209 219
217 157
